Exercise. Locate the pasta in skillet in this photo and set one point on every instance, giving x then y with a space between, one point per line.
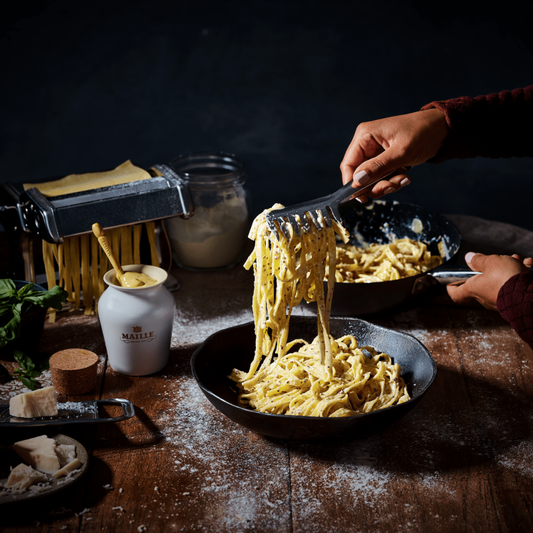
326 377
383 262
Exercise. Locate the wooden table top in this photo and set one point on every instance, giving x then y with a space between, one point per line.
459 461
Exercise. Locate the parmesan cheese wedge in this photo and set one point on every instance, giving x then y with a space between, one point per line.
66 453
24 476
41 402
67 468
39 452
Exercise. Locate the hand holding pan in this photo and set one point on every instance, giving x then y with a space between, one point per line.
382 221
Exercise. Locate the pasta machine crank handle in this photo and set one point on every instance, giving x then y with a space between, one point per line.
184 193
39 216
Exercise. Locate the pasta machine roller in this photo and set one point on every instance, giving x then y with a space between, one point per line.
55 218
319 211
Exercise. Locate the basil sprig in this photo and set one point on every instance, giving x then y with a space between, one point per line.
28 370
13 303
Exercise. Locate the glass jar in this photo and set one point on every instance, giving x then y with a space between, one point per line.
214 237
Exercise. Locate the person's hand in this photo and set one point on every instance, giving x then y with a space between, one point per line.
383 146
495 271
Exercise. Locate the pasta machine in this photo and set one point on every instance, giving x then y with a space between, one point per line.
54 218
27 214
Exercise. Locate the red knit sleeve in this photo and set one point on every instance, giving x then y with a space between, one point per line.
495 125
515 304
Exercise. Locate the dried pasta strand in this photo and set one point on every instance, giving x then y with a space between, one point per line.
137 229
86 281
150 227
81 263
114 239
75 270
48 258
126 256
67 268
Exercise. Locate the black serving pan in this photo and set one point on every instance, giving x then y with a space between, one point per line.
381 222
231 348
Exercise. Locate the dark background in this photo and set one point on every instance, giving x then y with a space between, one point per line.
282 84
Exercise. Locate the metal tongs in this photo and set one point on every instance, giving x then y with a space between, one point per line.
319 211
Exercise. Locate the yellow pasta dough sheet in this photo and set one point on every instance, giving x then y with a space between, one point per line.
124 173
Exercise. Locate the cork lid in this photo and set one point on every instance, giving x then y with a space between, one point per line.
74 371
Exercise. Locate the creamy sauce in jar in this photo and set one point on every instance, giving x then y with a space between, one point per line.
134 279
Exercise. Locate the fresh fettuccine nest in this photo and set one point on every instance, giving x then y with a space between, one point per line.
327 377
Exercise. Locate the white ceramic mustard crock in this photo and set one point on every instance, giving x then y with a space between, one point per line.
137 322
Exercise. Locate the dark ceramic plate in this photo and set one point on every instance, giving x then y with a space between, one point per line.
231 348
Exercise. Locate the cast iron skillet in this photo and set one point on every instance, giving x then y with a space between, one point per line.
230 348
381 222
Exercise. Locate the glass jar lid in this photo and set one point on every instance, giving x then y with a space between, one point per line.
210 169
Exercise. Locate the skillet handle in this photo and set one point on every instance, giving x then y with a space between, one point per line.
444 274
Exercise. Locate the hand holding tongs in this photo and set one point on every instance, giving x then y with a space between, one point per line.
321 210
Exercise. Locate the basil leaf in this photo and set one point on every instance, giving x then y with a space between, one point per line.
50 298
6 299
12 328
25 291
7 287
4 307
6 335
28 382
13 303
24 361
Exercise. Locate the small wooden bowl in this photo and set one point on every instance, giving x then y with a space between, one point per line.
74 371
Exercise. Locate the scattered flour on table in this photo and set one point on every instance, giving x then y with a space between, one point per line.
193 428
365 481
14 386
518 459
358 473
192 330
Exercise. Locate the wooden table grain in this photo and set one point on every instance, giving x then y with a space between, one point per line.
460 461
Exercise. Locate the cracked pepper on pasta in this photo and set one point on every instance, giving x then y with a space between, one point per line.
327 377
